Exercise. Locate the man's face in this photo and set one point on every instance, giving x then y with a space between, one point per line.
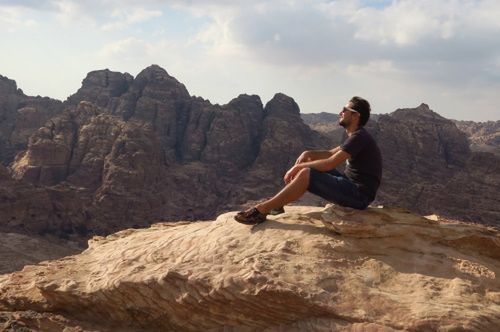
347 115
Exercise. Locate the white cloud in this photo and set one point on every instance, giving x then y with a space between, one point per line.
316 50
70 13
13 18
128 17
403 23
127 48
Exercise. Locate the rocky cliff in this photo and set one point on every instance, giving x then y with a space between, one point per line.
20 116
329 269
126 152
483 136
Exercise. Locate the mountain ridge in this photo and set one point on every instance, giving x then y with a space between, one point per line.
153 152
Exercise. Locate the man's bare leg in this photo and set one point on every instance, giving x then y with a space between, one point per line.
292 191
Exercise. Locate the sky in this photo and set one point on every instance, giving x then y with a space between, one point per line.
396 54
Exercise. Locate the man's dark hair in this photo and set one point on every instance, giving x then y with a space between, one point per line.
363 107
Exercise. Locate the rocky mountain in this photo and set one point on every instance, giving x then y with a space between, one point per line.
151 152
326 124
483 136
20 116
323 118
126 152
388 270
428 162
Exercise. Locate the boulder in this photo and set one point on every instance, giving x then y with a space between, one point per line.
309 269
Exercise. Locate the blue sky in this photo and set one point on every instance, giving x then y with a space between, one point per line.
394 53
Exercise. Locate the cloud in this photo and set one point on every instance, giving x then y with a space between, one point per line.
129 48
12 19
31 4
136 54
126 18
449 41
430 49
111 14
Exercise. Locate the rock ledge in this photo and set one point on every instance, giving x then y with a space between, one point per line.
309 269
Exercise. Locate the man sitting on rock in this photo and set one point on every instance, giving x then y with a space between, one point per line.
314 171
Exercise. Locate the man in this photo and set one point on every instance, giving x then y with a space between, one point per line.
314 171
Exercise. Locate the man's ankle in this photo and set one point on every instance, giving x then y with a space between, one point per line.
262 209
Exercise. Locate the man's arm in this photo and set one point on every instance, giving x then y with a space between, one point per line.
312 155
322 165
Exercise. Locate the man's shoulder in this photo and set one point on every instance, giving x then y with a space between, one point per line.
363 133
364 137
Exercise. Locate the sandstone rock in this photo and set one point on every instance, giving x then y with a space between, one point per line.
483 136
155 97
325 123
432 134
232 141
102 88
390 270
49 155
21 116
428 167
24 208
107 172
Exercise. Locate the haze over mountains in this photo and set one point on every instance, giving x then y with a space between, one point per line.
127 152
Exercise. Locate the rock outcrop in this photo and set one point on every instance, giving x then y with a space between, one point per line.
325 123
102 87
483 136
429 168
153 152
388 270
21 116
25 208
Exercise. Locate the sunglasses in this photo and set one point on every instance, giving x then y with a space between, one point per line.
345 109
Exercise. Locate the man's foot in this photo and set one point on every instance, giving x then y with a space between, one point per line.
277 211
250 217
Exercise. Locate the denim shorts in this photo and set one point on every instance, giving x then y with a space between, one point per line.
337 188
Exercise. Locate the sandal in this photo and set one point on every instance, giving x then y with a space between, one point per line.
250 217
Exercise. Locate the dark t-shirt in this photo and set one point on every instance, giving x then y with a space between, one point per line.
364 168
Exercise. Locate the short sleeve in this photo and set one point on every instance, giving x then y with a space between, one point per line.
354 144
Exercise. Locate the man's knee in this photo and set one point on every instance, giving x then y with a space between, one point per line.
305 173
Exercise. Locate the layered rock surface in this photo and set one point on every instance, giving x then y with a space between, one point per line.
389 270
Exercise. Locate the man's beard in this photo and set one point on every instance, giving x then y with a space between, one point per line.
342 123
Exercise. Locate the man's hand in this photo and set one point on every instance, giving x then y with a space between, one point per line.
292 172
304 156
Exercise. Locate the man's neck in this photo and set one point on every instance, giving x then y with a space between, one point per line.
351 129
